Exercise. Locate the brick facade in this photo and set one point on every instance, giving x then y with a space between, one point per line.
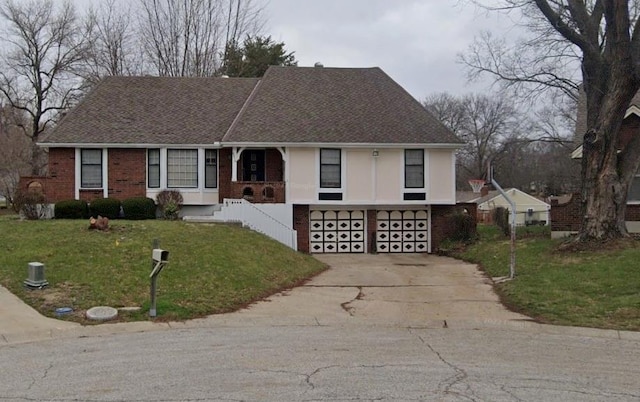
127 176
372 224
441 225
127 173
567 216
301 225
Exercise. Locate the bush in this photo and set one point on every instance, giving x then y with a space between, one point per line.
106 207
170 202
71 209
501 219
138 208
464 227
31 204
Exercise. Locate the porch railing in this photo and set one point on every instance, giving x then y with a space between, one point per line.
240 210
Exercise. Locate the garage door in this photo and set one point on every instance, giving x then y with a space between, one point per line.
337 231
402 232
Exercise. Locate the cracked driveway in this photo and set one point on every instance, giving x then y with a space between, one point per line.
407 290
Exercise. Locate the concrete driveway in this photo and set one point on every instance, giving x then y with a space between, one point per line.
408 290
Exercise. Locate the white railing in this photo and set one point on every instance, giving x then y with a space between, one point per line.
240 210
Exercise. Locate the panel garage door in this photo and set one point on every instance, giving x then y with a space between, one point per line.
336 231
402 232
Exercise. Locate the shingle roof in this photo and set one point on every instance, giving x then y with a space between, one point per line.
335 105
288 105
581 115
154 110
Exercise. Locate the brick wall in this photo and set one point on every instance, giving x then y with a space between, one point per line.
567 216
372 226
273 168
224 173
127 173
441 225
301 225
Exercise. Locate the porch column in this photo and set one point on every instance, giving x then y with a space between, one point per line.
235 157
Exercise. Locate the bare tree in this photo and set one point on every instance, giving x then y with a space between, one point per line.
605 35
113 47
15 151
486 125
42 49
188 38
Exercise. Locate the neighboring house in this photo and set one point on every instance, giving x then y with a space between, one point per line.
355 163
566 214
529 209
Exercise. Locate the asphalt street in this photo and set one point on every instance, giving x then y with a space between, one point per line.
370 328
323 363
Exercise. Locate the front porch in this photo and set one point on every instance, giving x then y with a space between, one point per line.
257 175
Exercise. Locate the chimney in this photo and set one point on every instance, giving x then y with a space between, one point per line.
484 190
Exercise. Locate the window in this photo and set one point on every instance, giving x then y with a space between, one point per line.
91 168
414 168
153 168
182 168
210 168
330 168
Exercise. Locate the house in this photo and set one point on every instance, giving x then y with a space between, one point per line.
529 209
343 156
566 213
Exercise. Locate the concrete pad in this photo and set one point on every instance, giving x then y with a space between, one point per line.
21 323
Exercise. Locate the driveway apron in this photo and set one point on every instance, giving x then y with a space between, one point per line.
389 289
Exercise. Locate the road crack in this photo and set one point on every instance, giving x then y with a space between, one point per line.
345 306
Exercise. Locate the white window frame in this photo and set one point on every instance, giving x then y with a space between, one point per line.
159 168
197 168
342 170
105 173
404 170
635 177
217 168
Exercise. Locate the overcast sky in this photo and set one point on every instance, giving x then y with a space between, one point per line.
416 42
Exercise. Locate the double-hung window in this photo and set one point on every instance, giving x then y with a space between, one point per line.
91 168
153 168
182 168
330 168
414 168
210 168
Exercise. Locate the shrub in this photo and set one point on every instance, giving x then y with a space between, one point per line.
501 219
138 208
107 207
31 204
170 202
71 209
464 227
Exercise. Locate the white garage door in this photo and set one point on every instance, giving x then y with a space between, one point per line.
402 232
337 231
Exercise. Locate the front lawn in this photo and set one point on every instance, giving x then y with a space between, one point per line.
595 288
213 268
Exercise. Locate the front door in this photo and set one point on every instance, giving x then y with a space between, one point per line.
253 165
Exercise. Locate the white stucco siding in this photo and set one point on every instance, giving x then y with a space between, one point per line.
389 176
359 175
441 176
302 173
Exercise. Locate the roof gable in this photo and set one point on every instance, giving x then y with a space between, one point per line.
154 110
335 105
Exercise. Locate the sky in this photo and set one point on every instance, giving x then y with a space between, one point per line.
416 42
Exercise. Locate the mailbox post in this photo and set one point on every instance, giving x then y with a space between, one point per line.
160 258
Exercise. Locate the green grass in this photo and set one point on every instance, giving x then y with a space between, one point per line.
595 288
213 268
